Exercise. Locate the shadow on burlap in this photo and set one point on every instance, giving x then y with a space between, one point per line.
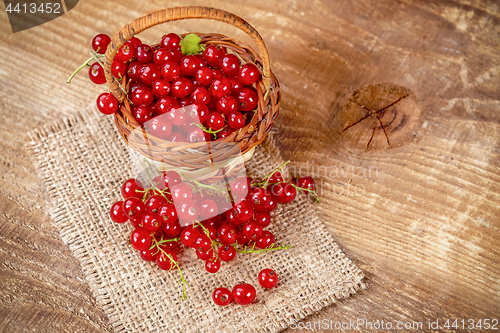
83 161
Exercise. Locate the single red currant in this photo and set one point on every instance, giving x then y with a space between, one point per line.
187 212
107 103
203 243
171 178
160 127
100 43
189 65
220 87
167 212
150 73
244 293
117 214
252 230
196 113
142 114
142 96
236 120
262 217
172 228
227 234
161 87
134 70
140 239
154 203
212 265
247 99
144 53
276 178
239 188
152 222
132 188
227 105
227 253
171 41
182 192
125 53
236 86
306 182
268 278
176 55
166 103
248 74
204 76
118 69
283 192
222 296
195 134
215 121
166 260
208 209
171 71
134 208
181 87
149 255
205 255
225 132
259 198
229 64
242 212
265 240
200 95
96 73
212 55
161 56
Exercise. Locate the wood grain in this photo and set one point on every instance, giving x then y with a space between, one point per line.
423 225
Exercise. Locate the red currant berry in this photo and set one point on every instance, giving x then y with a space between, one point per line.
172 228
107 103
200 95
160 127
161 87
259 198
144 53
242 212
265 240
167 212
217 74
149 255
140 239
189 65
229 64
132 188
100 43
215 121
203 243
172 178
187 211
227 253
252 230
154 203
248 74
236 86
134 70
164 260
244 293
142 114
195 134
212 55
208 209
225 132
204 76
134 42
96 74
227 105
239 188
125 53
205 255
150 73
152 222
171 71
181 87
236 120
268 278
176 137
306 182
118 69
276 178
241 239
165 104
171 41
227 234
272 205
212 265
134 208
161 56
221 87
283 192
182 192
176 55
197 113
222 296
142 96
117 214
189 237
262 217
247 99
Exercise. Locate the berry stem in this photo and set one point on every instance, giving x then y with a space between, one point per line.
203 185
209 130
174 263
302 189
271 247
265 180
86 63
154 187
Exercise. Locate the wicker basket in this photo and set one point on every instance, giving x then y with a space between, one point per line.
193 156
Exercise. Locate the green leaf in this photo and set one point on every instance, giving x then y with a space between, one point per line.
191 44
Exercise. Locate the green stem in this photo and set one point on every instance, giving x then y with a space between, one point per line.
209 130
302 189
203 185
269 248
86 63
146 163
174 263
265 180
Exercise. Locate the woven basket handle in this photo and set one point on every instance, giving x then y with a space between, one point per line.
174 14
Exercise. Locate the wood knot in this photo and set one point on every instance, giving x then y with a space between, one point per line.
379 116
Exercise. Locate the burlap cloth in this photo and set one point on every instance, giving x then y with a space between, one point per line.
83 162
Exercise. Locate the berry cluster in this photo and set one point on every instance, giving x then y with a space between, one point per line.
244 293
170 214
179 90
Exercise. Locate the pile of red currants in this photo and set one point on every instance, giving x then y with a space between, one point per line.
176 96
171 214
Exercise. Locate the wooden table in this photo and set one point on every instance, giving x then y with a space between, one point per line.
411 193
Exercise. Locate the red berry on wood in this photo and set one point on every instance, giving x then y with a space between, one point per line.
100 43
268 278
96 73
